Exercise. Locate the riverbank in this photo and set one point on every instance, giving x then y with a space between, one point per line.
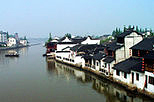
16 47
127 87
10 48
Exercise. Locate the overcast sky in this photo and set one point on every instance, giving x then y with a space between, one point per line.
37 18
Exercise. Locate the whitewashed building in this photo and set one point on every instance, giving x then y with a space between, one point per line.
11 41
23 42
89 40
3 36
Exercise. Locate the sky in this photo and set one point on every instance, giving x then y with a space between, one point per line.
38 18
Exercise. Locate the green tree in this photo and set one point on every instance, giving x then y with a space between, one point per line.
125 28
137 29
25 38
151 33
140 30
146 30
50 37
68 35
7 35
113 33
129 27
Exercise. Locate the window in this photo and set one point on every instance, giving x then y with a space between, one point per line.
151 80
137 76
125 75
118 72
97 63
105 65
107 73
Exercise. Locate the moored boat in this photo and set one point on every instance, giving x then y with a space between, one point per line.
12 54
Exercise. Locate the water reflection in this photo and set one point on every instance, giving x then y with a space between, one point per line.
111 91
6 60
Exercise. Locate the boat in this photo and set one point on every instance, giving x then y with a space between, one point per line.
12 54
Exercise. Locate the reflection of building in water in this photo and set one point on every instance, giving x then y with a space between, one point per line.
51 66
6 61
23 50
67 71
114 93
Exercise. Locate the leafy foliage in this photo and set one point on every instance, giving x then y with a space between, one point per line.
68 35
50 37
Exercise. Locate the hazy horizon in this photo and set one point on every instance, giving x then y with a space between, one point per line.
38 18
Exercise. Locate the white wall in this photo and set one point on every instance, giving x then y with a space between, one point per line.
107 69
23 42
89 41
139 83
97 67
131 40
62 55
78 60
11 41
121 77
119 54
62 46
150 87
66 40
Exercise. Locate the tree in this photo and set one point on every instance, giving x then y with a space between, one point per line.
50 38
119 32
113 33
125 28
68 35
129 27
146 30
7 35
137 29
140 30
151 33
25 38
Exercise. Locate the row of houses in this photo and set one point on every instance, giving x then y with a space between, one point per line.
129 60
11 40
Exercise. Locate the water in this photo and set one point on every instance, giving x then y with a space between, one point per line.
33 78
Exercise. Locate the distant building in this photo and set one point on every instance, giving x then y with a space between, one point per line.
11 41
3 36
23 42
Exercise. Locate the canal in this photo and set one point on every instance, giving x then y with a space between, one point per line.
33 78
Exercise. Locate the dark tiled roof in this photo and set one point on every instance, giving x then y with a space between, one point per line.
129 64
78 40
62 51
149 55
108 59
113 46
65 48
84 48
127 33
98 56
66 43
87 56
145 44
